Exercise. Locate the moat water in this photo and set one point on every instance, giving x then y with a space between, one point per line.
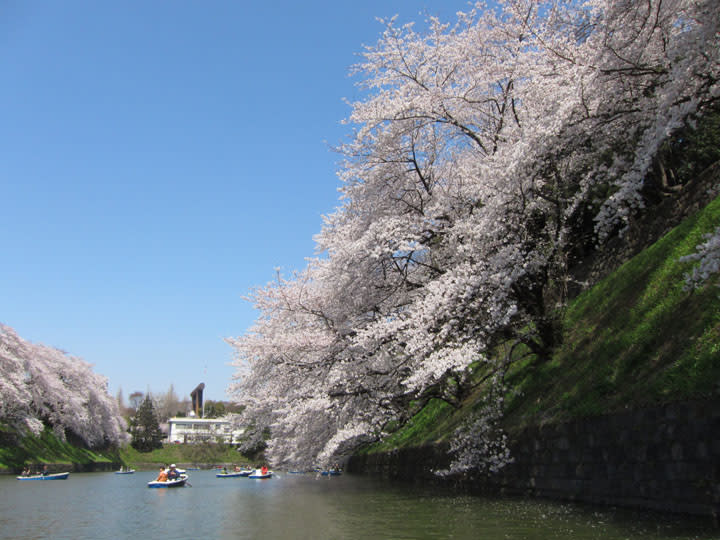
106 505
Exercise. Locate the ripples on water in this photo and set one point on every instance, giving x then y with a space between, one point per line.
108 506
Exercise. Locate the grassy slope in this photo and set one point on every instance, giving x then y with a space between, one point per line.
46 448
635 339
184 453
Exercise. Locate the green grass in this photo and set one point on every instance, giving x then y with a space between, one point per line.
635 339
183 453
18 451
428 425
15 452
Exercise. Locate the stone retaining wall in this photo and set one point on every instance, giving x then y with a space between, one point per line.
53 468
665 458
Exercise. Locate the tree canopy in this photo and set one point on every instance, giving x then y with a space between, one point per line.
484 158
42 386
145 428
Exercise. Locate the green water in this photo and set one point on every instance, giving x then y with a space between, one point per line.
105 505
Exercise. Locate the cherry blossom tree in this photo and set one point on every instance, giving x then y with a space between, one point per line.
42 386
485 157
708 257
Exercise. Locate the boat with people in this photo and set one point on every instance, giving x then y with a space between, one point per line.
56 476
260 473
169 478
234 474
177 482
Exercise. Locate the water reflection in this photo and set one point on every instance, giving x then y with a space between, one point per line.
104 505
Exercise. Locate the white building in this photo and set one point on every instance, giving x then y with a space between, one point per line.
191 429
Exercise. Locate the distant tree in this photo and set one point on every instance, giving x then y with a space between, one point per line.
145 428
214 409
184 407
233 408
125 411
136 398
167 404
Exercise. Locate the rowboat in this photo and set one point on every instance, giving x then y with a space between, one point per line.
234 474
178 482
56 476
130 471
257 473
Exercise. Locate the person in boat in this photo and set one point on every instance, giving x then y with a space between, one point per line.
162 475
264 469
173 473
45 470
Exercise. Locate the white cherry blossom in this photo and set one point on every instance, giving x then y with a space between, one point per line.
479 159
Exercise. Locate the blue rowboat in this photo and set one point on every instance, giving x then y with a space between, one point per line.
178 482
57 476
234 474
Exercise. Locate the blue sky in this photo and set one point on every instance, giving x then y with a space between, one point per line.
158 159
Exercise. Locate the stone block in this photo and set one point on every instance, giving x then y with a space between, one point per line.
676 451
701 450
